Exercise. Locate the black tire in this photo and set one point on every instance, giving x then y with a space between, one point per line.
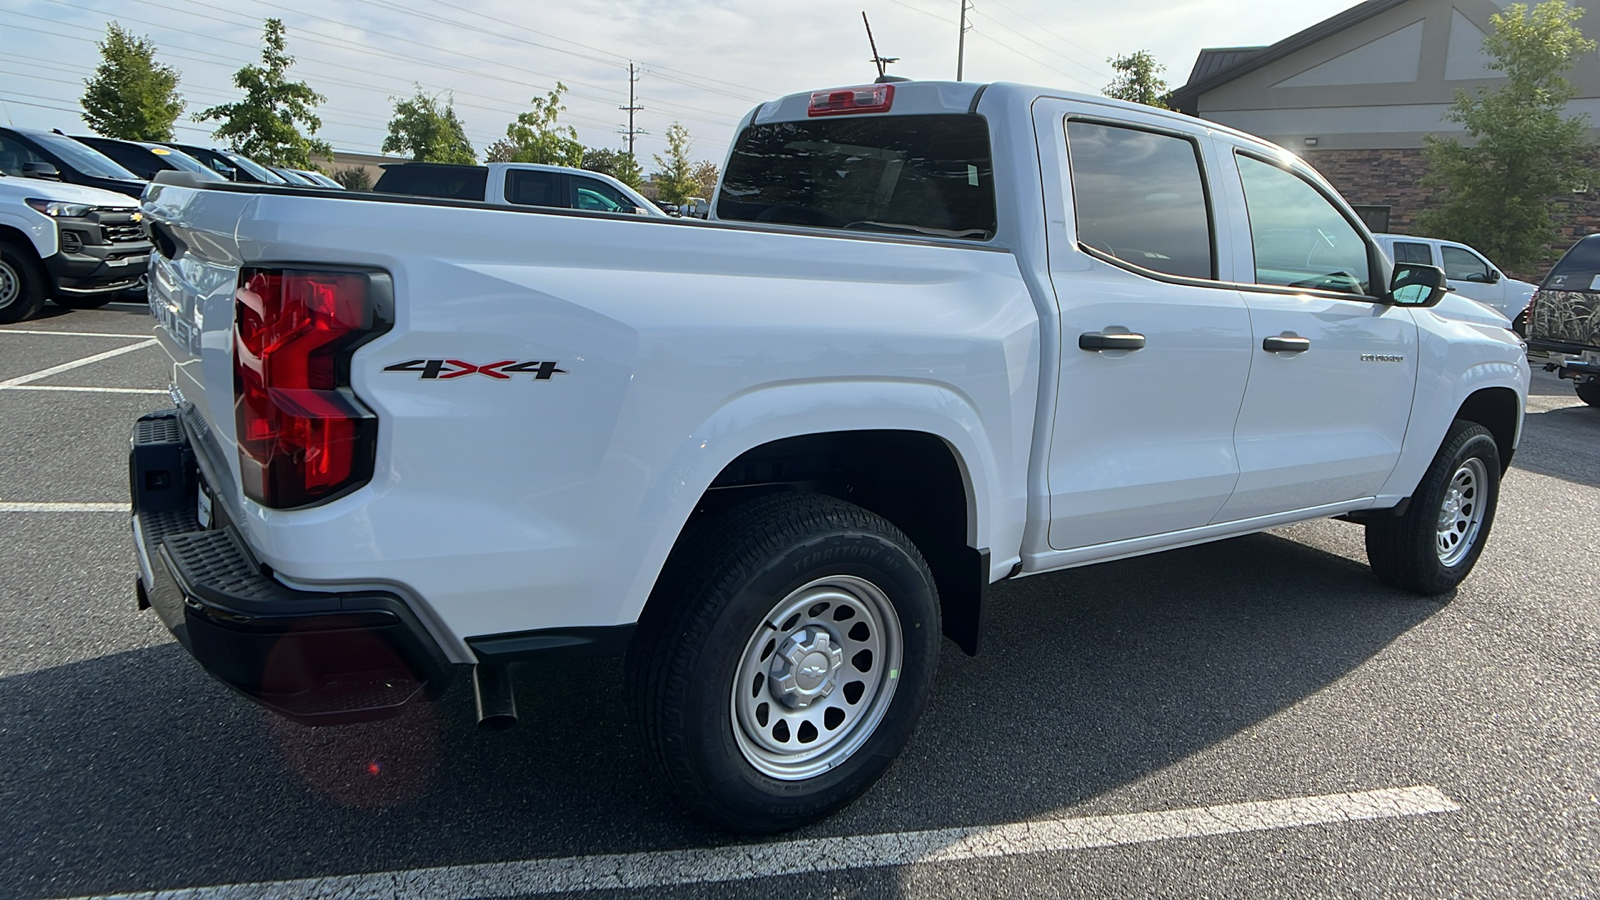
22 282
1412 551
84 301
707 620
1589 391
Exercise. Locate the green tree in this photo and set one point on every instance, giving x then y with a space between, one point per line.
535 137
705 174
617 163
263 125
1522 151
1138 78
354 178
674 176
131 96
428 130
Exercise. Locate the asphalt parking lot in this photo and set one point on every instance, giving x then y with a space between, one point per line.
1254 718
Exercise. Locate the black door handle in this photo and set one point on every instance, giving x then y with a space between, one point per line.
1099 340
1280 344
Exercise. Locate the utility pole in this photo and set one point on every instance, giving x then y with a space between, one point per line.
961 42
632 107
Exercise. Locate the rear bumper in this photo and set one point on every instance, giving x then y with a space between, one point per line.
319 658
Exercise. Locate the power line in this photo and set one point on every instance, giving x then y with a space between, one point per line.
1059 37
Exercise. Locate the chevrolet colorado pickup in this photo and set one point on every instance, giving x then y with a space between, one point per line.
937 335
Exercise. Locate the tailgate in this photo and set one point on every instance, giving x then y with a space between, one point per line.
1565 317
193 272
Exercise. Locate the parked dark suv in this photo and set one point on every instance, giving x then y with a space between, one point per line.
146 158
1564 318
46 154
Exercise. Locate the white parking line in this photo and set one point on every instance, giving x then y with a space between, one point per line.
86 390
103 334
69 366
20 506
747 861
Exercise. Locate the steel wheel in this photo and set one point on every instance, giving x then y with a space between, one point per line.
10 284
816 678
1461 513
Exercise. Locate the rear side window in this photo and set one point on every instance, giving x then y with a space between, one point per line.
1579 269
135 159
1139 196
444 182
930 175
532 188
1413 253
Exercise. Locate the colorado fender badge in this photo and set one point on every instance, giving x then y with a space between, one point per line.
445 369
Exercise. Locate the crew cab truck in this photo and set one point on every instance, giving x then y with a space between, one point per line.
938 335
79 246
519 184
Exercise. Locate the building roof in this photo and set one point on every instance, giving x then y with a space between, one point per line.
1218 66
1215 59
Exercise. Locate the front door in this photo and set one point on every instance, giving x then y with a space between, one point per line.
1334 368
1155 348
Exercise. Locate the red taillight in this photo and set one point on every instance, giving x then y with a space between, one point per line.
869 98
303 436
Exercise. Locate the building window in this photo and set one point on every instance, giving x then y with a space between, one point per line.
1376 218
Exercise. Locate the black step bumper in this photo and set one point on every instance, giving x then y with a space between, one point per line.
319 658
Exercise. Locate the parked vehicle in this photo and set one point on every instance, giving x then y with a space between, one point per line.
938 335
1467 272
78 246
1564 318
318 178
230 165
49 155
145 158
290 176
517 184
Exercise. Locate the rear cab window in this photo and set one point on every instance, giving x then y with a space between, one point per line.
1578 270
929 175
444 182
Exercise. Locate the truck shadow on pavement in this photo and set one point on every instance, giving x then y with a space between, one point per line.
135 771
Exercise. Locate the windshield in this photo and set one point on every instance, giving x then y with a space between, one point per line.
181 160
929 175
85 159
1578 270
254 168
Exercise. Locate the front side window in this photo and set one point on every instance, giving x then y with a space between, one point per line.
587 193
1464 265
923 175
13 155
1413 253
1140 197
1301 239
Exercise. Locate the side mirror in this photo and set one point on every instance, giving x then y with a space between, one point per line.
41 170
1494 276
1416 285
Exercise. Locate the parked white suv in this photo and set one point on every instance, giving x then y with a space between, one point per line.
77 245
1466 271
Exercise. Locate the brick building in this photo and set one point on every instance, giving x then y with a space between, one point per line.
1355 95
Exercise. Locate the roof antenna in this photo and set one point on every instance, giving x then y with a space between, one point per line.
880 61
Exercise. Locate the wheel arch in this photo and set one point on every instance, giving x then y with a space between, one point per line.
15 229
916 454
1495 408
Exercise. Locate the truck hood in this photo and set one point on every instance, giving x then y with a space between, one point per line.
43 189
1455 306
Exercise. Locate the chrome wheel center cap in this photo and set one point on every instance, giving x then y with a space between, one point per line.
804 670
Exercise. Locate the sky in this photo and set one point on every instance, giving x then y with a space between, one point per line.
700 63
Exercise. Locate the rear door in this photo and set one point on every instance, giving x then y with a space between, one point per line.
1333 368
1155 344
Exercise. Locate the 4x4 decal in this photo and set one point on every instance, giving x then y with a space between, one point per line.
541 370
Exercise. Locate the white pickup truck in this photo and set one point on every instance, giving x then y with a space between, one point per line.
938 335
